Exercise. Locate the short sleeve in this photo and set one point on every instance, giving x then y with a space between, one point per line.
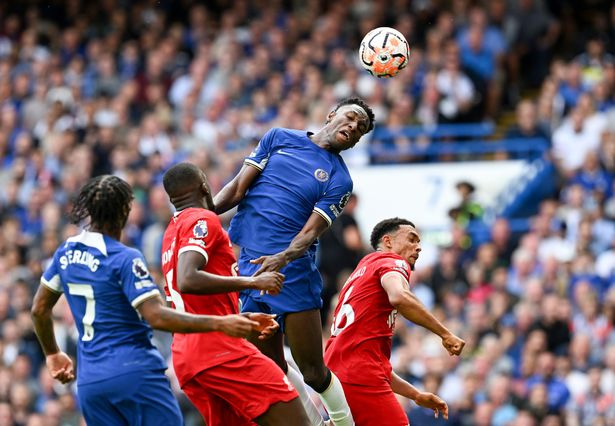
135 279
200 234
331 205
260 156
51 277
396 266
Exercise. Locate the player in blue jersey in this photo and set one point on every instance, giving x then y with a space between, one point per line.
120 374
290 189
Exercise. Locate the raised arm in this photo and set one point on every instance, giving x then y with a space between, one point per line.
312 229
191 279
408 305
234 191
424 399
59 364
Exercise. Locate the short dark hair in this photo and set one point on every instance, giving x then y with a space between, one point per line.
105 199
178 177
385 227
360 102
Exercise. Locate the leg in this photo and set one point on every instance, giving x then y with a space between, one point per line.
96 407
272 348
279 414
304 333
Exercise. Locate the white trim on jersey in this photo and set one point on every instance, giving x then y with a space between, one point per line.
260 166
139 299
396 273
92 239
53 284
323 214
194 248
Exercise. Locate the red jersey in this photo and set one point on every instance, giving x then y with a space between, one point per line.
200 230
359 348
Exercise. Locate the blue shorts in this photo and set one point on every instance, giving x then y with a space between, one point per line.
140 398
301 291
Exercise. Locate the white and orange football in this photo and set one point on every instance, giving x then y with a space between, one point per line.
384 52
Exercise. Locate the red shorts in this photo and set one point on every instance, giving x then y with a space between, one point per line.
374 405
238 391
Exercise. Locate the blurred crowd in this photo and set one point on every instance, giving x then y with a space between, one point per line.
129 87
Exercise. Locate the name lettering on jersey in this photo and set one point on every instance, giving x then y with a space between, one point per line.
321 175
357 274
166 256
80 258
200 229
139 269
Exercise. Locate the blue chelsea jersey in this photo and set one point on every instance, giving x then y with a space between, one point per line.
104 281
297 178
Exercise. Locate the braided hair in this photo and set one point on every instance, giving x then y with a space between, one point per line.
106 201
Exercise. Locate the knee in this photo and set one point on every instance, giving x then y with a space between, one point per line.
315 376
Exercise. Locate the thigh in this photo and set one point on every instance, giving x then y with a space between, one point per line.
250 384
273 348
154 401
215 410
371 405
304 334
97 409
285 413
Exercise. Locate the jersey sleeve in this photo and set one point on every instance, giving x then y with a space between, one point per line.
51 277
260 156
199 234
332 203
392 266
135 279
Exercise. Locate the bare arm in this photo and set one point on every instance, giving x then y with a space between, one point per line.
312 229
162 318
44 301
407 304
191 279
234 191
424 399
59 364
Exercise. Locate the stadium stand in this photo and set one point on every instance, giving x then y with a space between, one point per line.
131 87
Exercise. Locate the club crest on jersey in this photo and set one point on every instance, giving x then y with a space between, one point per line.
139 268
200 229
321 175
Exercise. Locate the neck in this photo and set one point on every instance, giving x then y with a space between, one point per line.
322 138
115 233
186 202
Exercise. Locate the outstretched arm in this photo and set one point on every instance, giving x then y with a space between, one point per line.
162 318
424 399
234 191
58 363
407 304
192 279
312 229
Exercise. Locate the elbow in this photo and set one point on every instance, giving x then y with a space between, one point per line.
39 312
400 300
186 282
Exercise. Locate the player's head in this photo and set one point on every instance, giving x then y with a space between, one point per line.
349 120
187 186
105 200
398 236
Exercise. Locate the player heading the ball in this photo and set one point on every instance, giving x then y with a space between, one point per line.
120 374
290 190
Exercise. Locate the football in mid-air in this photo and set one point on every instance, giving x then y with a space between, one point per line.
384 52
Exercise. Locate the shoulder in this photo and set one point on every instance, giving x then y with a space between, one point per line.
199 222
390 260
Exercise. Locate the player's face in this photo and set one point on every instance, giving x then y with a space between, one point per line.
407 243
348 124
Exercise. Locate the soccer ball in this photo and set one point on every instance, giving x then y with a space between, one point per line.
384 52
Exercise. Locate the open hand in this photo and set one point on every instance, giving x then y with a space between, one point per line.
429 400
60 367
272 263
267 325
237 325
